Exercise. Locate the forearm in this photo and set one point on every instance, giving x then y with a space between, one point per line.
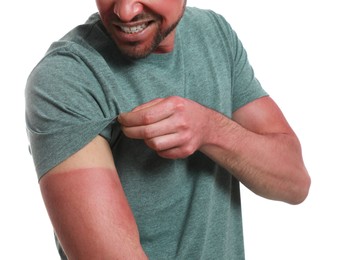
258 146
269 164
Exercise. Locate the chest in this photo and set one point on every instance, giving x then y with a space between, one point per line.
204 79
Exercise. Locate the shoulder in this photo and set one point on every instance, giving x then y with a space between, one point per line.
71 59
208 27
204 32
79 43
204 17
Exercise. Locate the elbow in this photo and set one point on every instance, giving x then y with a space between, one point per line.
300 189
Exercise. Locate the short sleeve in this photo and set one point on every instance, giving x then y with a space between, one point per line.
245 86
65 109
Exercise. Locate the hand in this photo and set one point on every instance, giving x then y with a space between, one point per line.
174 126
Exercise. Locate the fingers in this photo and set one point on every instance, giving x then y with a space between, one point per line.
163 127
148 113
172 146
171 126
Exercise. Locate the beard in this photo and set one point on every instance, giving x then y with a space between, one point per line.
138 49
135 50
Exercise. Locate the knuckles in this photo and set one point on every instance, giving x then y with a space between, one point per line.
148 118
182 125
147 133
154 145
187 151
181 148
177 153
178 103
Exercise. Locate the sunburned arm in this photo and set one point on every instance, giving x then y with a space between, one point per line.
261 150
257 145
88 208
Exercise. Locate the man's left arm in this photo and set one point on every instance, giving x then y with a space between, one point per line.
257 145
261 150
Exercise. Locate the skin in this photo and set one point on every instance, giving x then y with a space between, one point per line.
88 208
258 146
160 16
83 195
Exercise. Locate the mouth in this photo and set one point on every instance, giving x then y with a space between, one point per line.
134 29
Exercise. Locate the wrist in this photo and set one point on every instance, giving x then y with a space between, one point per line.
219 132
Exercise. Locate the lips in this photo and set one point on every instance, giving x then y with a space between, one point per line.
132 32
134 29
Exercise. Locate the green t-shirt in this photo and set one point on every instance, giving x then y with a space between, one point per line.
187 208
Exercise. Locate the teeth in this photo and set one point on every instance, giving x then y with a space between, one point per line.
133 29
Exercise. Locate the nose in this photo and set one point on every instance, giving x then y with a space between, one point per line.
126 10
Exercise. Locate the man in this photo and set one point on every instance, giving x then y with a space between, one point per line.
142 122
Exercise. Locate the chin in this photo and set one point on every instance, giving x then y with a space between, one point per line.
139 50
135 53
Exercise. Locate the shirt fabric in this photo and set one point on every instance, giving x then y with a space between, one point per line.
185 208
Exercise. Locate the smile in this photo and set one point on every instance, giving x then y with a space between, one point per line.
134 29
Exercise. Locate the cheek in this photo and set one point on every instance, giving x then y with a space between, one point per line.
105 10
104 6
170 10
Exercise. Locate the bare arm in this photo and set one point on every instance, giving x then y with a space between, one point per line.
258 146
88 208
260 149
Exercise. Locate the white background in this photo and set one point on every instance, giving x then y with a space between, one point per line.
292 47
